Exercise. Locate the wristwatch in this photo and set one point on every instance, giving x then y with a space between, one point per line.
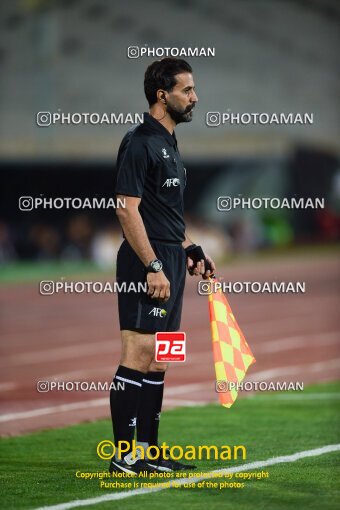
155 266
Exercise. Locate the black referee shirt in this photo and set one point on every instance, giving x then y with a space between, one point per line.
149 166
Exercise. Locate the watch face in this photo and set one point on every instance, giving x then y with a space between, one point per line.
157 265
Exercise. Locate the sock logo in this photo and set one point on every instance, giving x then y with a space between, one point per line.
133 422
170 346
158 416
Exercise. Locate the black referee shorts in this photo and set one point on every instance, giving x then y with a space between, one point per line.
137 311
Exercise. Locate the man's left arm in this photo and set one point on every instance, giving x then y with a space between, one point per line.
195 259
187 241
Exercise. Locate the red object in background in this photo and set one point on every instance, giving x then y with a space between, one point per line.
329 224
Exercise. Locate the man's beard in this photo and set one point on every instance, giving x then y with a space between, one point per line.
179 115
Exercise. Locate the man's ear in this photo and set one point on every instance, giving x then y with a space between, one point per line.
161 95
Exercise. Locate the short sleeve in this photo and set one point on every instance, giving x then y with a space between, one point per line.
132 165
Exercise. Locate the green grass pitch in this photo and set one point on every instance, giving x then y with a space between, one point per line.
39 469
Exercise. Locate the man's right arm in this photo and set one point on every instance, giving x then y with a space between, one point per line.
135 234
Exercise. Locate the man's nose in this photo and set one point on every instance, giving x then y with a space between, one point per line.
194 98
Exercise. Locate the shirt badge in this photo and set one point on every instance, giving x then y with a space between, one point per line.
165 154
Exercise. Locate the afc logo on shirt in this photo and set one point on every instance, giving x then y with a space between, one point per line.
170 178
172 182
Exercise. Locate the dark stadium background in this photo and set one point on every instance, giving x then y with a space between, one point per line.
72 55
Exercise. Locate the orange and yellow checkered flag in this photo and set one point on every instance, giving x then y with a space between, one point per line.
232 354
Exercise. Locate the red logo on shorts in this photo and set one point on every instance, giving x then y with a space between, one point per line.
170 346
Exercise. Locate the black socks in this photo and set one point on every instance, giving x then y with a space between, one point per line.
149 410
125 402
138 405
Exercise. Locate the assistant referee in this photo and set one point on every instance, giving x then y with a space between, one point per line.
156 249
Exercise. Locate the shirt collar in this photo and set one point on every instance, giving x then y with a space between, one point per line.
157 126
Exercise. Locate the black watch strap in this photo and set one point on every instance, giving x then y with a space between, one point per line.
155 266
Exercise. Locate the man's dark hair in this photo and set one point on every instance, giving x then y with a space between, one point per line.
161 75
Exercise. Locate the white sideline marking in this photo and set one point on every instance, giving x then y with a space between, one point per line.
297 396
175 390
181 481
184 403
7 386
299 341
60 353
83 373
96 402
295 369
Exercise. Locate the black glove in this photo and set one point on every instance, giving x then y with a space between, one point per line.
196 254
